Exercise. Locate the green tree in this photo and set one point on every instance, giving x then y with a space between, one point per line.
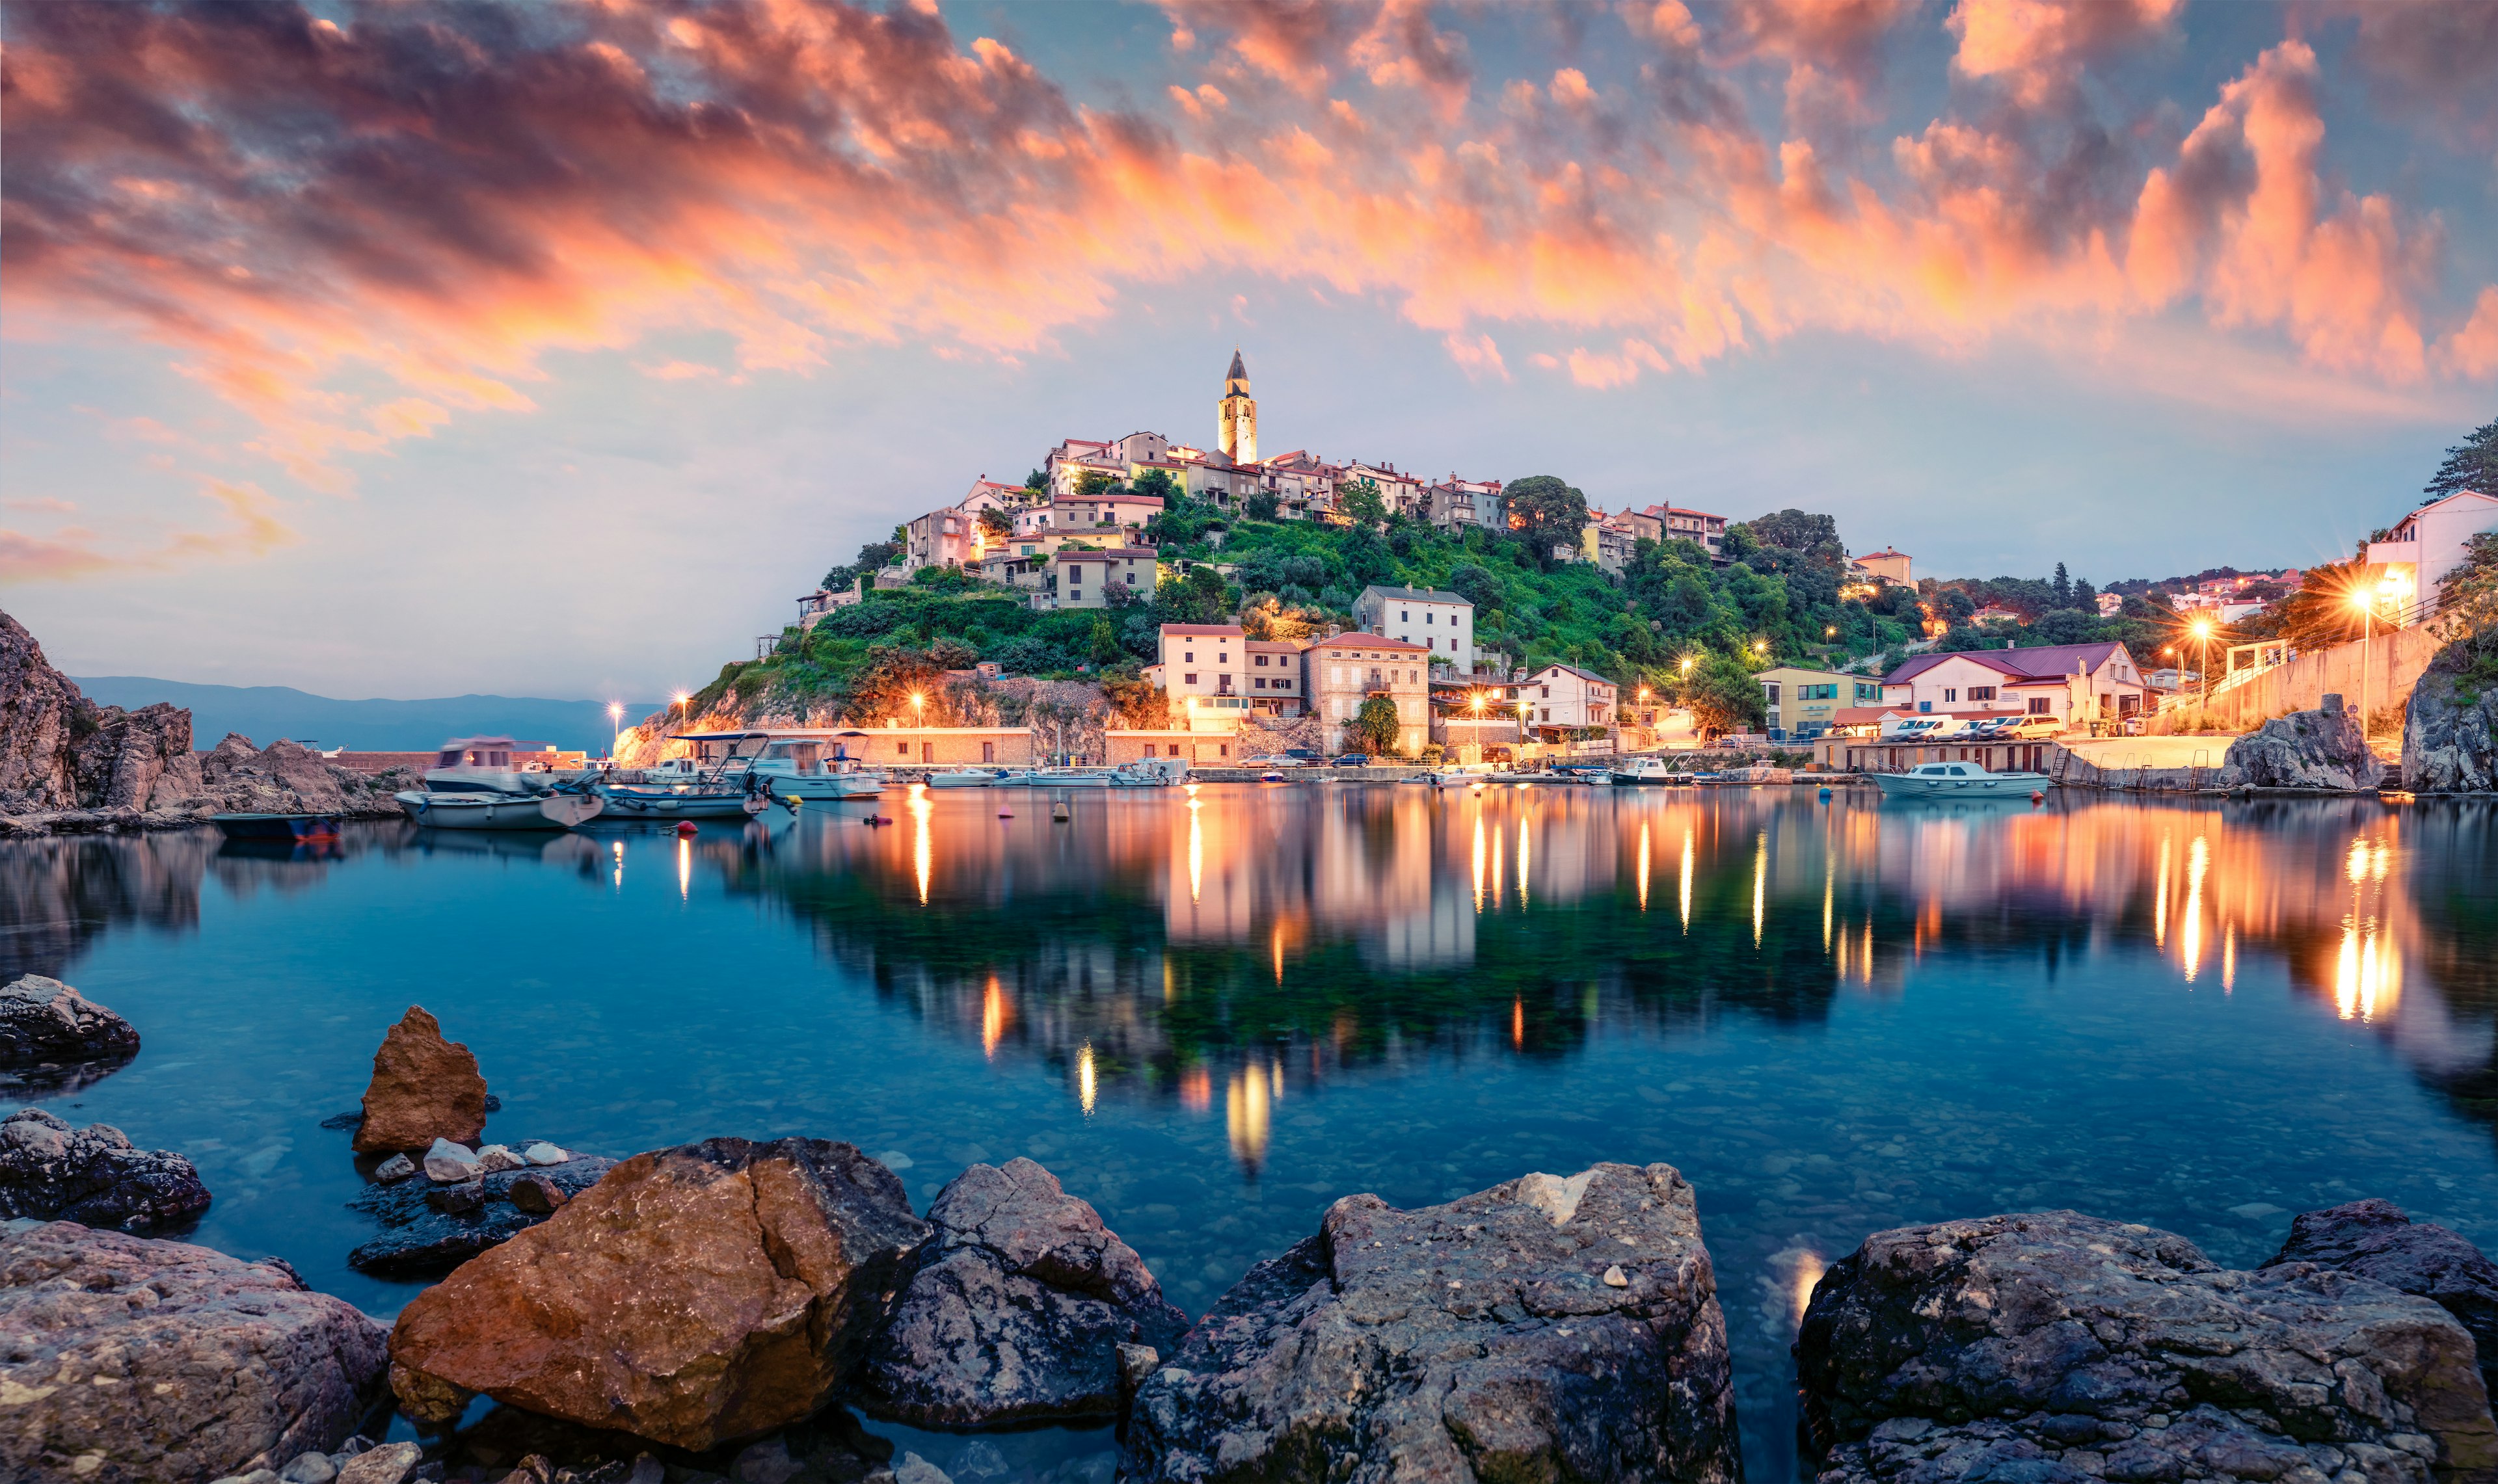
1547 513
1793 530
1375 726
1092 481
1724 696
996 524
1476 584
1036 482
1105 649
1260 506
1360 503
2472 464
1159 483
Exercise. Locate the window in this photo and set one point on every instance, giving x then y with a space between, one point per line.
902 750
1949 696
1402 617
1430 616
1189 678
2038 706
1547 695
1261 662
1262 683
1547 713
1189 656
1283 685
1982 692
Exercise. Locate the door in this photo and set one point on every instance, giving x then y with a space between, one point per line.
927 752
988 752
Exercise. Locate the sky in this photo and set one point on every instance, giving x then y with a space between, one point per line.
415 348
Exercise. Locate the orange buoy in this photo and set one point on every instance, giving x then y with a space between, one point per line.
684 827
2038 795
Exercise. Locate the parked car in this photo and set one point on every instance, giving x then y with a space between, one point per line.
2035 726
1271 760
1350 759
1310 755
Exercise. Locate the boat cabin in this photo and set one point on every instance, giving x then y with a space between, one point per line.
484 751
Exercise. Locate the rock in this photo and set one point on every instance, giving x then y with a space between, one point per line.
538 1194
310 1468
495 1157
694 1294
395 1168
388 1464
1471 1341
421 1239
2320 749
49 1171
2376 1240
456 1200
424 1088
1018 1311
544 1153
40 713
44 1020
448 1163
2038 1349
166 1361
2450 728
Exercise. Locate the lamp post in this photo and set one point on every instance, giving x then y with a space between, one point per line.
615 725
2366 602
2203 641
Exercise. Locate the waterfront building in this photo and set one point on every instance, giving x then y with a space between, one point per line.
2074 684
1342 671
1558 698
1204 666
1805 703
1441 621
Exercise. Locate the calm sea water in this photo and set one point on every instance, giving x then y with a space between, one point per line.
1214 1016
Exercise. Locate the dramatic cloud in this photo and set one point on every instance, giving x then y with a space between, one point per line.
251 528
363 227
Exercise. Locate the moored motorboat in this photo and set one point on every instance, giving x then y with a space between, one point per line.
966 778
625 802
483 765
462 809
1646 769
1957 780
785 764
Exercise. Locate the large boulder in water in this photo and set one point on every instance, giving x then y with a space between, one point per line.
2451 729
2056 1349
696 1294
130 1361
424 1088
44 1020
52 1172
1545 1329
2375 1240
1018 1311
2321 749
42 716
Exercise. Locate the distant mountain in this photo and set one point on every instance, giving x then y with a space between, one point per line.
266 712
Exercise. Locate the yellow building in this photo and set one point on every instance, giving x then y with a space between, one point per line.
1342 671
1235 417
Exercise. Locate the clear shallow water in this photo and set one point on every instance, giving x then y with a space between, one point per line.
1212 1020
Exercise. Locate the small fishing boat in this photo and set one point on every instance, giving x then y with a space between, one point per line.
1646 769
464 809
626 802
790 765
483 765
285 828
1957 780
966 778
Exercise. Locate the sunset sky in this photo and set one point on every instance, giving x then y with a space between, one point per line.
408 349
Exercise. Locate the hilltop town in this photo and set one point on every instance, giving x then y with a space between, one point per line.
1143 597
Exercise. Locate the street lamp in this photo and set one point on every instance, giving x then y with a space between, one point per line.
2366 602
614 724
2203 638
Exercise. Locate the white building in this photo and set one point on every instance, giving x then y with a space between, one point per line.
1442 622
1083 579
1203 673
2074 684
2429 543
1559 696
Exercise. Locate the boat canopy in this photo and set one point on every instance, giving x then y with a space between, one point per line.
484 751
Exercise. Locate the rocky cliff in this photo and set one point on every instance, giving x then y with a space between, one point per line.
67 764
2321 749
2450 733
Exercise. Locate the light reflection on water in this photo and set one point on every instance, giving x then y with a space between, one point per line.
1212 1015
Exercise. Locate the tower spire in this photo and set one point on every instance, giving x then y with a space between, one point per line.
1235 416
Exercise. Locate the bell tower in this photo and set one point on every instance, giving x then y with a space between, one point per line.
1235 417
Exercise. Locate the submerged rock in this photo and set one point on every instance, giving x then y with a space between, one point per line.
694 1294
50 1170
1472 1340
135 1359
422 1239
1018 1311
2376 1240
2450 728
2320 749
424 1088
2054 1347
44 1020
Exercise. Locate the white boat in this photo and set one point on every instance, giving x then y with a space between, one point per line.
1054 777
626 801
967 778
790 765
1646 769
483 765
480 809
1957 780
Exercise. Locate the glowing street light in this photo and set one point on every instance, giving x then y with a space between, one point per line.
614 724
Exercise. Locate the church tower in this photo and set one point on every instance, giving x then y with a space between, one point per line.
1235 417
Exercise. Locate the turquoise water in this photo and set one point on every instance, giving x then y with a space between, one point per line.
1212 1016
